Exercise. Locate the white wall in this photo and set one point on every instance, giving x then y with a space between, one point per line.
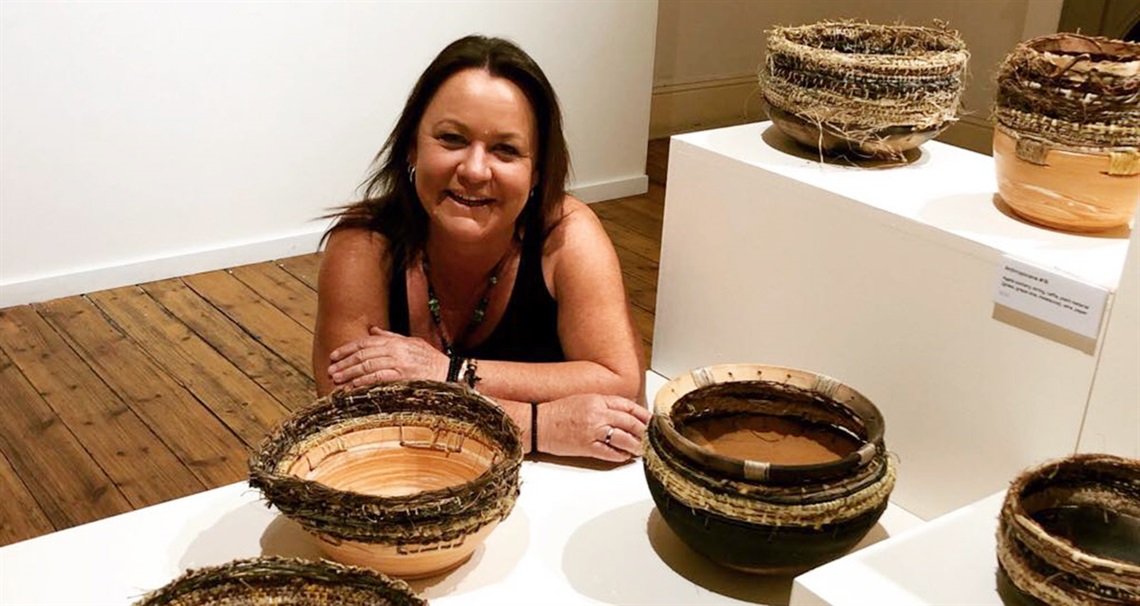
145 140
708 53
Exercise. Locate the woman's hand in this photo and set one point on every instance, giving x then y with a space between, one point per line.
385 356
591 425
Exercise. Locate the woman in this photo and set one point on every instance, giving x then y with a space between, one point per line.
468 261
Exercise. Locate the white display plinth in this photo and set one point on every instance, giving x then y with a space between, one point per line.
585 534
885 280
950 560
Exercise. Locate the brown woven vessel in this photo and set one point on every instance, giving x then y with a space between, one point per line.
273 581
874 90
760 516
1067 133
1069 533
407 478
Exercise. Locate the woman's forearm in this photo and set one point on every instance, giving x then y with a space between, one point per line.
542 382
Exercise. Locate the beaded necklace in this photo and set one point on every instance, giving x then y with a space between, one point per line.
477 316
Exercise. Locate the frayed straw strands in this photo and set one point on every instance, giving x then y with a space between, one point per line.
875 89
279 581
404 477
1059 569
1073 91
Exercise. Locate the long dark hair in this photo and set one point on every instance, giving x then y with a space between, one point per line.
390 205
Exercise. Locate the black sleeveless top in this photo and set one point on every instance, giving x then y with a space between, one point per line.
528 330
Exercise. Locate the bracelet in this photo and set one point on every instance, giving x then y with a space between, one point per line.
534 428
470 365
453 368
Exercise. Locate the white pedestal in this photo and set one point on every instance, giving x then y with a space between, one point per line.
951 560
885 280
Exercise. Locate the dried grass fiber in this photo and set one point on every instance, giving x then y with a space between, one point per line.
283 582
436 516
812 504
1072 91
861 78
1051 568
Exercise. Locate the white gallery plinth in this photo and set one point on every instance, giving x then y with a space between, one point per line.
950 560
884 278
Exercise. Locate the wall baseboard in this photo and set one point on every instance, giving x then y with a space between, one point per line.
682 108
83 281
609 190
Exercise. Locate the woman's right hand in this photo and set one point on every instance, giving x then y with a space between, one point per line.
578 426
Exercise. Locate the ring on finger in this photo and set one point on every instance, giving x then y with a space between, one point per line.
609 435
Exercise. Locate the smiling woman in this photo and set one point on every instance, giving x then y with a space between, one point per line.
467 261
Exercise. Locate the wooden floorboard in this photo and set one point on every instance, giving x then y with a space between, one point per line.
204 445
20 515
65 486
246 408
304 267
139 464
282 290
290 386
261 319
129 397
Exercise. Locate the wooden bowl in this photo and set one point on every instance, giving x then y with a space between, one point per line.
765 469
1064 189
1069 533
405 478
888 142
278 581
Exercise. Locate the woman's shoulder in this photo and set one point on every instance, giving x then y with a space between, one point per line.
353 251
575 219
577 236
356 240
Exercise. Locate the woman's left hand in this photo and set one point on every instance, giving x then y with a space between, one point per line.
385 356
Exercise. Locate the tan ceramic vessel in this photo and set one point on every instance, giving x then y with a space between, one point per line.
1072 191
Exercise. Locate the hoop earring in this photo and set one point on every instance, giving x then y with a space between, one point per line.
412 174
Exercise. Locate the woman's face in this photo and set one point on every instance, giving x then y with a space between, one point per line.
475 156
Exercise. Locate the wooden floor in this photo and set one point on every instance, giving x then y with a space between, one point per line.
129 397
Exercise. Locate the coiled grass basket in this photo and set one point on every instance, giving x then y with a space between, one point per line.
407 478
766 469
274 581
1069 533
874 90
1067 132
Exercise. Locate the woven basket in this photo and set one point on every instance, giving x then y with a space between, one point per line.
876 90
1069 533
407 478
755 515
277 581
1067 132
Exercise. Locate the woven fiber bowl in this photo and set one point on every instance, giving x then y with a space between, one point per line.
1067 134
874 90
276 581
407 478
823 480
1069 533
